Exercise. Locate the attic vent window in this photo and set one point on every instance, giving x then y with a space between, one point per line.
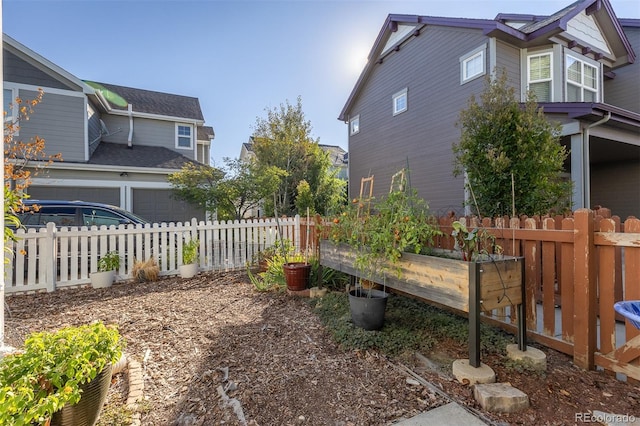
400 103
184 136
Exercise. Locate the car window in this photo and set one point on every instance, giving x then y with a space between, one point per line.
61 216
98 217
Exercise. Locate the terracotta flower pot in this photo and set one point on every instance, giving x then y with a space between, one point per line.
297 275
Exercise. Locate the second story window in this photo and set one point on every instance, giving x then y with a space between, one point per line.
354 125
400 102
539 76
582 81
472 65
184 136
9 105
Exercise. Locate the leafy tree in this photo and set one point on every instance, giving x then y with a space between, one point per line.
199 184
502 138
304 200
232 191
247 185
282 141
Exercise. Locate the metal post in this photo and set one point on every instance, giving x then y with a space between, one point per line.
522 311
474 314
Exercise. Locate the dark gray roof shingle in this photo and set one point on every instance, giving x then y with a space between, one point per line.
149 102
117 154
530 28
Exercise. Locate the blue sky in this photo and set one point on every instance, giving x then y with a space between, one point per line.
237 57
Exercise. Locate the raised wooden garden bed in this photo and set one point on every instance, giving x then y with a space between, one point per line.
471 287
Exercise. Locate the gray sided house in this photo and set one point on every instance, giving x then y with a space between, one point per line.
118 144
422 70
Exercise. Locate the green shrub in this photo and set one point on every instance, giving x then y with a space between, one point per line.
47 374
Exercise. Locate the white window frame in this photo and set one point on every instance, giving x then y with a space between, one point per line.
469 57
542 80
178 136
581 84
396 97
354 125
12 115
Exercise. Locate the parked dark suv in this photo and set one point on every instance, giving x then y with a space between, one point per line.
75 213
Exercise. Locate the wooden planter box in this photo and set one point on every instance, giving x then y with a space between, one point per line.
471 287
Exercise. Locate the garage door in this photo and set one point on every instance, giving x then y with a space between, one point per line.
97 195
159 205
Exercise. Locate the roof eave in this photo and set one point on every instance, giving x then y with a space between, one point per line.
86 89
106 168
579 110
487 26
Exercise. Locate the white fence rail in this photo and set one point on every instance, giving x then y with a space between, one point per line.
51 258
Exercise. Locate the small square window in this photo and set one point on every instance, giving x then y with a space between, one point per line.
400 102
184 138
354 125
472 65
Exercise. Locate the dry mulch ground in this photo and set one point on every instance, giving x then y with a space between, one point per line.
212 344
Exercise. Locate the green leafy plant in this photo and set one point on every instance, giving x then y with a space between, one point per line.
262 257
473 243
46 375
109 261
273 278
380 230
190 251
510 153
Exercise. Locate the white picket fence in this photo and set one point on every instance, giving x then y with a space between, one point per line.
51 258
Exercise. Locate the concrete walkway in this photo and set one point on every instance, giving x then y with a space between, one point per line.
451 414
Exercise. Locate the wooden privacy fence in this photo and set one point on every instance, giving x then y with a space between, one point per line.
576 268
51 258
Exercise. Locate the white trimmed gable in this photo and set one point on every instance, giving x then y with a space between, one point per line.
397 36
585 28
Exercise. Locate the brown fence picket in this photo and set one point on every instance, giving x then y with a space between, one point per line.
606 281
632 271
531 274
566 282
548 256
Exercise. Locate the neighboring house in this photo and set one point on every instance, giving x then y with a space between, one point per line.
422 71
118 144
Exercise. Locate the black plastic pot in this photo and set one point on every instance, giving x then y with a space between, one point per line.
368 307
86 411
